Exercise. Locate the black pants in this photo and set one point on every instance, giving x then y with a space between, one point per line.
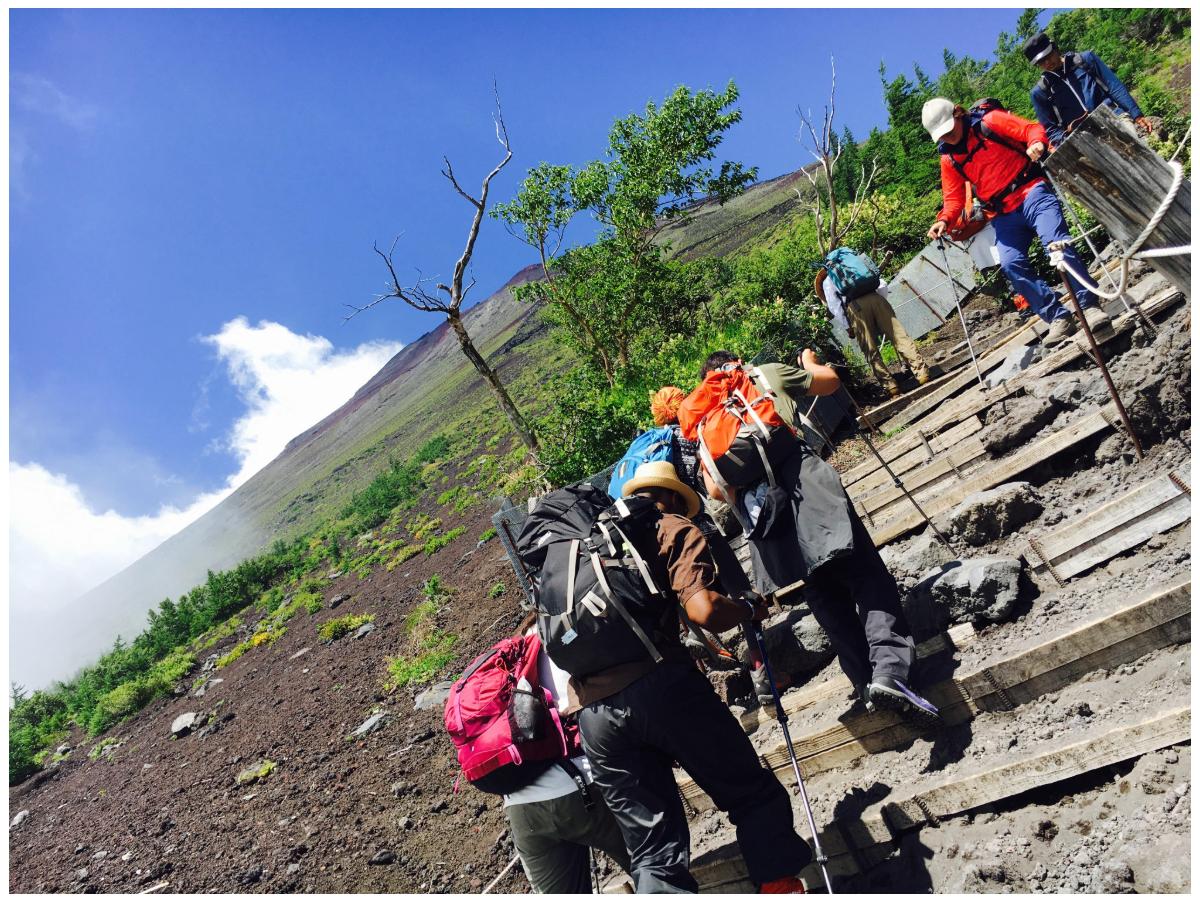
855 600
672 714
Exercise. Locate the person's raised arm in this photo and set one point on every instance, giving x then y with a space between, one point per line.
824 380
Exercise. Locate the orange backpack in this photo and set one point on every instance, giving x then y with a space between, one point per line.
741 435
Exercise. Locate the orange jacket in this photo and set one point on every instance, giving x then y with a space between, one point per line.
993 166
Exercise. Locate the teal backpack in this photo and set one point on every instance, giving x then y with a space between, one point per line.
853 274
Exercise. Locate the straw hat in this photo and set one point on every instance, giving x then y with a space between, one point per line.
660 474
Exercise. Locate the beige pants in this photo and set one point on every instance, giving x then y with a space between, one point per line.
871 316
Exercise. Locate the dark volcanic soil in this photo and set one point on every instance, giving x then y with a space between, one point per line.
163 809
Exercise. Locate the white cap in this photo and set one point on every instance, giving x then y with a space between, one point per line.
938 117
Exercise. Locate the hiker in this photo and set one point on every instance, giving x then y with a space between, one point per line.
997 153
507 717
1072 85
642 703
803 526
866 316
554 820
664 408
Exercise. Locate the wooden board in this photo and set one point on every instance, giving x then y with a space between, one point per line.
960 636
1121 524
1160 619
1026 335
869 837
1001 471
871 476
976 398
946 469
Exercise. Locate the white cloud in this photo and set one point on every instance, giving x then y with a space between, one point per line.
288 382
61 547
39 94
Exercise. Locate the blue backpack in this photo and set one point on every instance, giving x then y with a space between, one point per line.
853 274
653 444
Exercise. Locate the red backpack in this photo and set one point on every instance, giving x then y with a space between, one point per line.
741 435
505 732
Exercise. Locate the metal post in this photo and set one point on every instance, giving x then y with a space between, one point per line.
1112 388
958 306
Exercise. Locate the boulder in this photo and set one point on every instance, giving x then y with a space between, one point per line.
1017 360
435 696
182 725
977 590
1014 421
364 630
210 663
337 600
370 725
19 819
383 856
208 684
989 515
910 560
796 644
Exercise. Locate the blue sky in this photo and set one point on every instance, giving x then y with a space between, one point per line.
194 196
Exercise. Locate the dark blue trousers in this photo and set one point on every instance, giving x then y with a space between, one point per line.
1040 214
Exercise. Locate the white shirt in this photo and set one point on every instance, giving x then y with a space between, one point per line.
553 782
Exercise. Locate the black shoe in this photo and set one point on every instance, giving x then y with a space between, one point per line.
891 693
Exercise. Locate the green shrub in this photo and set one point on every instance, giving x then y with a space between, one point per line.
488 534
437 543
332 630
496 591
432 655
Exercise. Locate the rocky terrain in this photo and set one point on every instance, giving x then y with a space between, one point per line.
294 768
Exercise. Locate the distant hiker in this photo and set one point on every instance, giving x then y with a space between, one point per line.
1072 85
802 526
865 313
609 580
554 809
997 153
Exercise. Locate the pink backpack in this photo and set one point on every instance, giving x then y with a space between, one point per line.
504 725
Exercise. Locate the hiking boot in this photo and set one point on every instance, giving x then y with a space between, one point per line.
893 390
762 687
891 693
921 375
1060 330
784 885
1097 319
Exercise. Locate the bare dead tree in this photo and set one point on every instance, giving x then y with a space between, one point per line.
437 297
832 225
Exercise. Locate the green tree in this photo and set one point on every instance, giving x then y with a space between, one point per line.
658 164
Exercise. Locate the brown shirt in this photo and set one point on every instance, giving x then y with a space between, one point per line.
684 565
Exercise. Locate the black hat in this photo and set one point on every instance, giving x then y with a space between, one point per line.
1038 46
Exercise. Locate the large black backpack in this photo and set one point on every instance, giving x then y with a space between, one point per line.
597 600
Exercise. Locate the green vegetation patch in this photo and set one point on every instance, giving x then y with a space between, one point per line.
256 772
332 630
104 747
433 654
437 543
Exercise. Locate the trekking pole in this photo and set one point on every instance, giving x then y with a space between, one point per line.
958 306
782 717
896 481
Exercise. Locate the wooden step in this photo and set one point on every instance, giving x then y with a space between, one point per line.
856 844
1159 619
1001 471
870 475
1089 539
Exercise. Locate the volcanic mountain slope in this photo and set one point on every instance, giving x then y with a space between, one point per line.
427 387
